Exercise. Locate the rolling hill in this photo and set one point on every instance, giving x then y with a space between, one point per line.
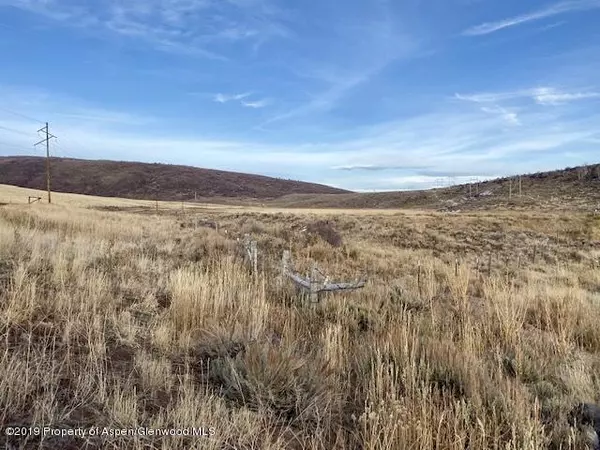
570 188
148 181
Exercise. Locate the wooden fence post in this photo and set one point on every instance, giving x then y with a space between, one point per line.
285 262
251 252
254 256
419 279
314 285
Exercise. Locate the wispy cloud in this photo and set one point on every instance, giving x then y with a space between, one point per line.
445 142
368 44
550 11
256 104
338 88
224 98
509 116
353 167
490 97
325 100
375 168
367 167
540 95
190 27
550 96
451 141
550 26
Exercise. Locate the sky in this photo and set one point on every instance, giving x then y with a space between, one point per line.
365 95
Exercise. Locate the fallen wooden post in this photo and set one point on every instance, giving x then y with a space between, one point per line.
312 285
342 286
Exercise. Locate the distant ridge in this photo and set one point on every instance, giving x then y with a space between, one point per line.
573 188
138 180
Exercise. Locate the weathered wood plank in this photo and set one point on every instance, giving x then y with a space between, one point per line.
329 287
299 280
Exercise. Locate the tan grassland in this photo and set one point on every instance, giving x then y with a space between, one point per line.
127 317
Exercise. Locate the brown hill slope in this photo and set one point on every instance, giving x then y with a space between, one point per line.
147 181
571 188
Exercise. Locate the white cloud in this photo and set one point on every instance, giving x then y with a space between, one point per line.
490 97
188 27
449 142
368 43
550 96
509 116
224 98
256 104
540 95
413 182
371 167
552 10
326 100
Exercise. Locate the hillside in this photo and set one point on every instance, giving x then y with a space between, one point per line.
147 181
571 188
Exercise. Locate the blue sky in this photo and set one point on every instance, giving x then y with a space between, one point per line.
363 95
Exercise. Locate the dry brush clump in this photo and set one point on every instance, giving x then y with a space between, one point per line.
121 320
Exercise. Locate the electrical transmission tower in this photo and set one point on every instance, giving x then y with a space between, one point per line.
49 136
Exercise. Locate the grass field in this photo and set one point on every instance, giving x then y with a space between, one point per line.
475 330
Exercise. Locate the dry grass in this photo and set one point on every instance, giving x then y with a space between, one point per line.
14 195
114 319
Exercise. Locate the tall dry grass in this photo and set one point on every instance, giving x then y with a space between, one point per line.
118 320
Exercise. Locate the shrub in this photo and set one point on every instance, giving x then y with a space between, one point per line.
325 230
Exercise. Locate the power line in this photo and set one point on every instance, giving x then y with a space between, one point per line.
14 130
49 136
12 145
23 116
64 151
70 142
70 148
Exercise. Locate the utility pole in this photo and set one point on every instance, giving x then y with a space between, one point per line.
47 141
510 188
519 185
